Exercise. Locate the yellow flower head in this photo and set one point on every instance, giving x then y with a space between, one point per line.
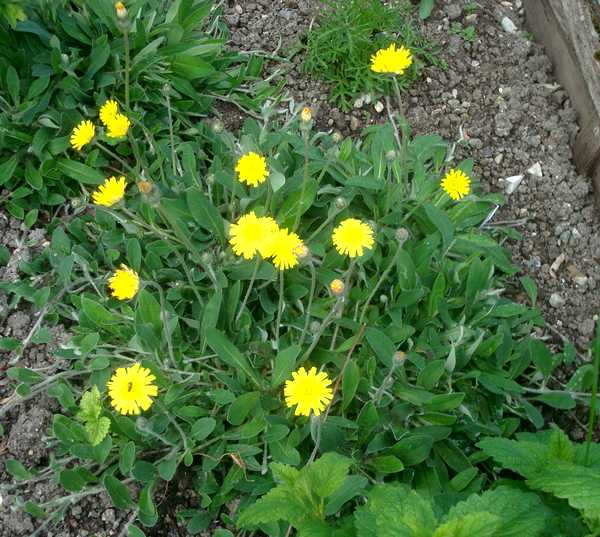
130 389
117 126
252 169
301 251
124 283
391 60
308 391
110 192
283 248
456 184
251 234
108 111
82 134
306 114
352 236
336 287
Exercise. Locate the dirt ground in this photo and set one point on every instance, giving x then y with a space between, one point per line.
498 89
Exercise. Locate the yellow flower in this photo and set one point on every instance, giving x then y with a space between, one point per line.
251 234
108 111
130 389
118 126
283 247
336 287
306 114
456 184
352 236
309 391
82 134
391 60
252 169
124 283
110 192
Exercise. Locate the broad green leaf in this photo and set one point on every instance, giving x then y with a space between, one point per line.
202 428
479 524
525 458
350 383
327 474
230 354
285 363
205 214
119 494
17 470
425 8
80 172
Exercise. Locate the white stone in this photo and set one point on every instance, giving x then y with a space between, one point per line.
556 301
378 107
508 25
512 183
535 170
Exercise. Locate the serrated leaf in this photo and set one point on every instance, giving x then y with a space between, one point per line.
327 474
525 458
97 429
480 524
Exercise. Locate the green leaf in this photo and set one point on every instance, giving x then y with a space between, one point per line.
480 524
134 531
519 514
97 313
575 483
33 176
425 8
352 486
413 449
167 468
72 480
127 458
431 374
388 464
17 470
7 169
285 363
119 494
13 84
241 407
229 353
98 56
563 401
280 503
202 428
97 430
530 288
80 172
381 344
205 214
525 458
441 221
327 474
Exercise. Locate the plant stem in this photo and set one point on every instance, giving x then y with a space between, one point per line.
313 284
249 290
171 135
279 310
594 401
113 155
127 65
304 180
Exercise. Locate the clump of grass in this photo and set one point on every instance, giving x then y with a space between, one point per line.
339 48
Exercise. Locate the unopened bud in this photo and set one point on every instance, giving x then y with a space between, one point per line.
390 155
306 114
121 10
383 299
337 137
206 258
210 178
145 187
301 251
315 326
336 287
217 126
399 357
402 235
340 203
75 202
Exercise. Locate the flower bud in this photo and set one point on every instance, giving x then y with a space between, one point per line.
336 287
390 155
315 326
306 114
383 299
217 126
206 258
402 235
340 203
337 137
210 178
121 11
399 357
145 187
301 251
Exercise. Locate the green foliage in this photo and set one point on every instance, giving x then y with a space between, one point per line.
90 410
67 58
552 464
349 32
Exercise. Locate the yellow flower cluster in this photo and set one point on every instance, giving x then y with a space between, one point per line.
253 235
117 125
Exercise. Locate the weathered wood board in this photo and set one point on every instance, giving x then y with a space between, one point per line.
566 30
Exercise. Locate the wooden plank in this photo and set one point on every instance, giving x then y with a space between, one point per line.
566 30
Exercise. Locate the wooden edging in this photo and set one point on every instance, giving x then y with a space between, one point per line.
566 30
